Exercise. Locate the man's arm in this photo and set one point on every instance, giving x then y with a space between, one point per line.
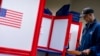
96 48
74 52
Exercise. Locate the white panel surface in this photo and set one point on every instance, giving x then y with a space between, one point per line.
73 36
44 32
59 34
1 54
20 38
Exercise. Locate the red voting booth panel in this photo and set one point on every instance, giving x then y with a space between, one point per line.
45 31
75 34
0 3
79 33
14 40
60 32
54 33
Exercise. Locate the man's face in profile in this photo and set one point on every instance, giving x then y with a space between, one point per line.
87 17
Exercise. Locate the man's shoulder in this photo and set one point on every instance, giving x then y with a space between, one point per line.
97 25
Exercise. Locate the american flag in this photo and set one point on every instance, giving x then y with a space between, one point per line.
10 18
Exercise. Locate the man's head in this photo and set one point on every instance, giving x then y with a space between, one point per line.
88 14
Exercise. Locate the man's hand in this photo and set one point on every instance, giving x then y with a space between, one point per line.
75 52
86 51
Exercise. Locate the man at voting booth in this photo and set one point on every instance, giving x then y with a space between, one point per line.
90 42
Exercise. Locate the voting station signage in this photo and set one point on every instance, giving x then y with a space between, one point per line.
18 25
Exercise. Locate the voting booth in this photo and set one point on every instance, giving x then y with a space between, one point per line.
19 26
58 33
75 31
54 33
75 34
45 30
24 29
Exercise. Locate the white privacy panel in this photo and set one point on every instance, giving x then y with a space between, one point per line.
59 34
73 36
1 54
17 23
44 32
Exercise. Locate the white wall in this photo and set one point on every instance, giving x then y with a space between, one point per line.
78 5
54 5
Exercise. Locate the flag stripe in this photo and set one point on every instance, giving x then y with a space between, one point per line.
14 14
14 11
9 20
12 19
9 25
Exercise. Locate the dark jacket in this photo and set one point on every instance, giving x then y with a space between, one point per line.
91 39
